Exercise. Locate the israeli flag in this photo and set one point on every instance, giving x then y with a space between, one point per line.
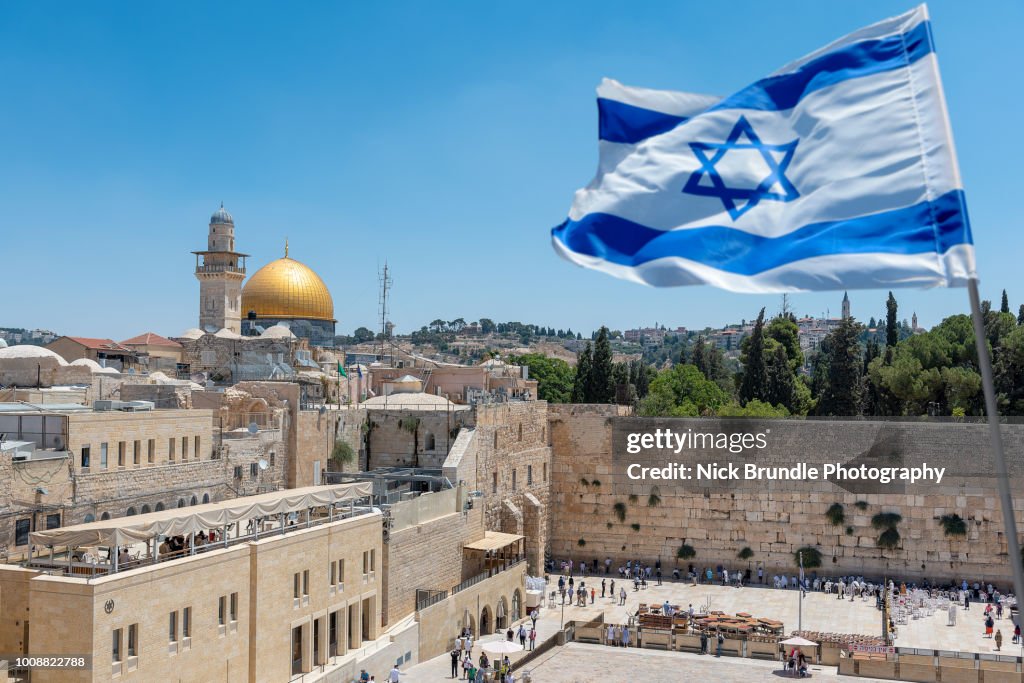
836 172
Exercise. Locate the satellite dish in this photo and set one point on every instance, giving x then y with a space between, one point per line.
263 464
253 428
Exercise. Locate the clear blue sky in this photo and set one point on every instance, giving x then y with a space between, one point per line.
447 138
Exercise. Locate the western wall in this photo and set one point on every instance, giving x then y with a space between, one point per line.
598 512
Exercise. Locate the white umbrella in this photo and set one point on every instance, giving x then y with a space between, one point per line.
502 647
799 642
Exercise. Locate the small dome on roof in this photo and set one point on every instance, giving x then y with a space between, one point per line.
191 333
3 343
225 333
89 363
221 217
278 331
30 351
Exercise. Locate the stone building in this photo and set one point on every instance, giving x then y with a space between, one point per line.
107 353
155 353
220 271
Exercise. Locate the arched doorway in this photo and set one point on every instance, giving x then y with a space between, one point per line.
206 498
145 509
131 512
90 518
486 621
501 614
105 516
159 507
517 605
195 501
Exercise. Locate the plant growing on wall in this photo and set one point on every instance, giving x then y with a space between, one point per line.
412 425
595 482
654 499
861 505
886 523
582 542
620 510
953 525
686 552
634 526
835 514
811 557
342 454
745 554
583 480
609 525
849 531
633 499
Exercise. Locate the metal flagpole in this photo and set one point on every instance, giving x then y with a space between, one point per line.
999 459
800 597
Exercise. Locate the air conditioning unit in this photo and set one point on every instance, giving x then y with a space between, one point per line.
133 406
106 405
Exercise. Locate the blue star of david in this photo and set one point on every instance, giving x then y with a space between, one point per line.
738 201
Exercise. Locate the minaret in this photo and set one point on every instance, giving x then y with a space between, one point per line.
846 306
220 273
913 322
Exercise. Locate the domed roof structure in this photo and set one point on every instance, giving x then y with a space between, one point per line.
191 333
30 351
277 332
221 217
287 289
89 363
3 343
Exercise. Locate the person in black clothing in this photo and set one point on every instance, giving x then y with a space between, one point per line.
703 643
455 663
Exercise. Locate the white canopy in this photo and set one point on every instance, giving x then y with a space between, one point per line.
183 521
797 641
502 647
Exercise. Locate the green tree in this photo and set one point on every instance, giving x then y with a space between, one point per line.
1004 307
555 378
891 331
600 385
842 393
362 335
753 408
781 380
784 330
755 368
584 361
682 391
1020 315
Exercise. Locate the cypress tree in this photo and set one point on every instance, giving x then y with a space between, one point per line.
1004 307
891 330
843 388
600 385
699 356
584 361
1020 315
755 370
780 379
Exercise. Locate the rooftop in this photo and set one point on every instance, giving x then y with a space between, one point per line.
151 339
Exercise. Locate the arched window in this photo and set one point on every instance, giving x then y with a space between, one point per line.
146 509
181 502
90 518
159 507
206 498
131 512
105 516
195 501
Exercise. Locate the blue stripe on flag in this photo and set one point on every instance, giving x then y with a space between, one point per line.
621 122
934 226
632 124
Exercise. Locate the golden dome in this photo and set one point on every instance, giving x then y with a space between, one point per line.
287 289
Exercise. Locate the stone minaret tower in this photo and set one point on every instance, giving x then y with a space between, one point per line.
220 272
846 306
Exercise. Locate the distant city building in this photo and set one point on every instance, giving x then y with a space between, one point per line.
846 306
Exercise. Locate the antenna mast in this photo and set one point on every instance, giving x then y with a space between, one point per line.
385 285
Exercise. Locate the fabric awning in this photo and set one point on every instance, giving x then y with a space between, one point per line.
183 521
493 540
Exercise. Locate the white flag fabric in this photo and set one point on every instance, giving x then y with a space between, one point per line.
836 172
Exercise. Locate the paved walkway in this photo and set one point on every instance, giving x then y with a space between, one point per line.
820 612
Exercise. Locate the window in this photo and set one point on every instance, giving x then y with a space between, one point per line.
222 610
494 482
196 449
136 452
254 469
120 453
115 647
85 456
334 572
172 628
53 521
495 438
21 529
234 607
545 471
186 622
529 475
170 449
184 448
103 455
295 586
366 562
305 583
513 480
238 471
520 431
151 451
133 640
271 458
